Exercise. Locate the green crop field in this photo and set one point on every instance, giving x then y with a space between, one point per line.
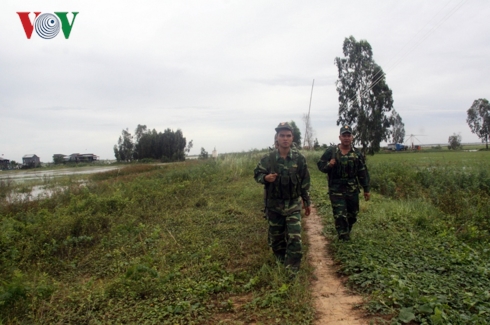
185 243
420 249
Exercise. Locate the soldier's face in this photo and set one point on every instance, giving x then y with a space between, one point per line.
285 138
346 139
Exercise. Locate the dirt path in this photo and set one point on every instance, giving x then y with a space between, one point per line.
334 304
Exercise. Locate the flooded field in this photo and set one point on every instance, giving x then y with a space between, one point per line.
19 184
40 174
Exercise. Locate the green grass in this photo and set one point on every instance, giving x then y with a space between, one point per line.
186 244
420 249
176 244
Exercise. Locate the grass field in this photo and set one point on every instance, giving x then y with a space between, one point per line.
177 244
186 244
420 249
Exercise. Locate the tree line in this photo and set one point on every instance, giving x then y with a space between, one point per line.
150 144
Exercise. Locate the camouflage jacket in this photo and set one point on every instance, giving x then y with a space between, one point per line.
291 185
349 172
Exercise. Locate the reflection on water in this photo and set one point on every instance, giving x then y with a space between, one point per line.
42 191
38 192
31 174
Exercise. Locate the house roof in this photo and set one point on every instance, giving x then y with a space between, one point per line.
30 156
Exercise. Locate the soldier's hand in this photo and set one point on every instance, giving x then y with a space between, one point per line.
332 162
367 196
307 211
271 177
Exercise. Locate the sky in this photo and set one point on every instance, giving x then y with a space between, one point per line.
227 72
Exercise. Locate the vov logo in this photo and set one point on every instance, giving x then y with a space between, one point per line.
47 25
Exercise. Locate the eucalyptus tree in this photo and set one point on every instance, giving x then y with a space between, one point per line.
125 146
479 119
188 147
364 96
398 129
140 130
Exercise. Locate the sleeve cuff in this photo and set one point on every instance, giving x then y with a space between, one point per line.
307 203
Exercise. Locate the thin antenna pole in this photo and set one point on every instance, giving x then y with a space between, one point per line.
308 117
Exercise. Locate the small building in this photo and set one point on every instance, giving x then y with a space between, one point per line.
31 161
73 157
76 157
4 163
214 154
87 157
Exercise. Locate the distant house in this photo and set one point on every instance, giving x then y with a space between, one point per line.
76 157
4 163
73 157
88 157
31 161
215 153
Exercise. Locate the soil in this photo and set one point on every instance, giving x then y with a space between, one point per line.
334 304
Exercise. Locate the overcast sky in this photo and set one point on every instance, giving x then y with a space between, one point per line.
227 72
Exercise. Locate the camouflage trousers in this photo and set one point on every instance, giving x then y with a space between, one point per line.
285 238
345 208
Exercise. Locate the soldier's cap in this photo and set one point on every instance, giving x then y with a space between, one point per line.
284 126
345 129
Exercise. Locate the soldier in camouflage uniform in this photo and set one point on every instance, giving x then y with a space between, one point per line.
285 174
347 172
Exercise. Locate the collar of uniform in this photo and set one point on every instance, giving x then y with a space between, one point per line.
350 149
290 154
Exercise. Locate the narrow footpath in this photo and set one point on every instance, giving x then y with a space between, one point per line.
334 304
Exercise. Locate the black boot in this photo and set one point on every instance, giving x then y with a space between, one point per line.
344 237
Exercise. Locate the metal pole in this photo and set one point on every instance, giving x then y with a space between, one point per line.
308 116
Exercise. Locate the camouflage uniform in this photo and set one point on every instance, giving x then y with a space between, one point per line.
283 203
344 181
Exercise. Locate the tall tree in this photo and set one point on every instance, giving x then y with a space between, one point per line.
138 134
125 147
398 131
204 154
140 130
316 144
178 146
296 134
116 153
364 97
189 147
479 119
